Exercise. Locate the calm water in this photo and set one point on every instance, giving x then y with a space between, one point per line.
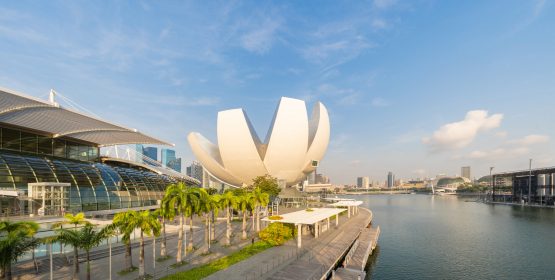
427 237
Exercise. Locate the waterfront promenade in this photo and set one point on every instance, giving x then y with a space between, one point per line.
317 257
100 260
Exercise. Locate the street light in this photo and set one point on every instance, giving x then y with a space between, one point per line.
491 178
530 184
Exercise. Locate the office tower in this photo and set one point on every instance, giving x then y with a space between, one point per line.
151 152
363 182
169 160
390 180
195 170
465 172
175 164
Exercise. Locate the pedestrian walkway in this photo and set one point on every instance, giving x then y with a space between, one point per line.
316 258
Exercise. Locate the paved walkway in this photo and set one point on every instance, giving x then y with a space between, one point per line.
287 262
100 266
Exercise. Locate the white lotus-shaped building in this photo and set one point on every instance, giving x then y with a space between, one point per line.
292 144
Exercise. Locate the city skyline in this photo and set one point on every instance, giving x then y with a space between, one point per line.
419 87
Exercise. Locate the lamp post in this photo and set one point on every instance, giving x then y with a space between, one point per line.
530 183
491 178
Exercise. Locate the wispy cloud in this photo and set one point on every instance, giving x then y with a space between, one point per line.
379 102
261 38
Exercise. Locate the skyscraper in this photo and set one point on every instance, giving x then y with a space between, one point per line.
363 182
151 152
390 179
169 160
465 172
195 170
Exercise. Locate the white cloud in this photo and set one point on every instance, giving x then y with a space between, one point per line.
460 134
531 140
498 153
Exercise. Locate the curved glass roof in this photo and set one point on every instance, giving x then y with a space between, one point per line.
22 111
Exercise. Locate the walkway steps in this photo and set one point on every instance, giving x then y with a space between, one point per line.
368 240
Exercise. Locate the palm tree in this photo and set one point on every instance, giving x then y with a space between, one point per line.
208 204
192 196
85 238
215 203
16 238
175 200
75 220
147 222
228 201
165 214
122 224
262 199
243 205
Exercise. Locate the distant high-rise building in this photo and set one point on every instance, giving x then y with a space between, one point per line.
465 172
322 179
312 177
169 160
390 179
195 170
151 152
139 153
363 182
175 164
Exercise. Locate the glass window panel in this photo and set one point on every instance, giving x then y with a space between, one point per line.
59 148
72 150
11 139
45 145
29 142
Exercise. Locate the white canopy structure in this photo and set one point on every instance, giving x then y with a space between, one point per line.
314 218
49 118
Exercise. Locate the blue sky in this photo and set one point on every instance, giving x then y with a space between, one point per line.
415 87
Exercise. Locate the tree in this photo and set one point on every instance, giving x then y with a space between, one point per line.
75 220
228 201
191 208
176 200
262 199
85 238
16 238
147 223
267 184
165 214
244 203
216 206
122 224
207 203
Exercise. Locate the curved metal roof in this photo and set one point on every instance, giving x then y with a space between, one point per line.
19 110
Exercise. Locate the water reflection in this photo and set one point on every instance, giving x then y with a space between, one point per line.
446 237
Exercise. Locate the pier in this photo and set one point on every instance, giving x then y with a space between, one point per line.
319 256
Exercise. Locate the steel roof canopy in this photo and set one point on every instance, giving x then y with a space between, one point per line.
27 112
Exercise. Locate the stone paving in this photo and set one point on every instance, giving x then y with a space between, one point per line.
100 266
310 262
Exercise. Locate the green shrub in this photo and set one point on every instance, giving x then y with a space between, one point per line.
275 218
276 234
204 271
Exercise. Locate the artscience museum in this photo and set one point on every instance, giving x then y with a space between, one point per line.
291 150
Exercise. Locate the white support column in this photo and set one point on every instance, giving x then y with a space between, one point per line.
348 211
337 219
299 234
328 223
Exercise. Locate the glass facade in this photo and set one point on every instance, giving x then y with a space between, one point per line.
94 186
21 141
